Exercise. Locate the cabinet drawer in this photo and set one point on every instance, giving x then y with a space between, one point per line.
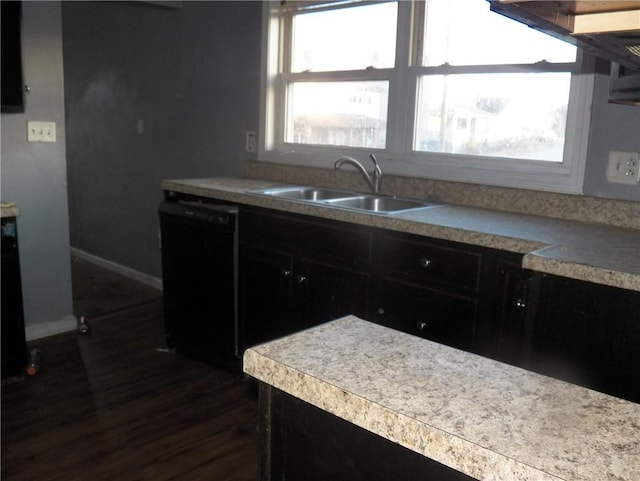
434 315
311 239
427 263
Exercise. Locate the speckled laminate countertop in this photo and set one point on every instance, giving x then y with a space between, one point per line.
489 420
593 252
9 209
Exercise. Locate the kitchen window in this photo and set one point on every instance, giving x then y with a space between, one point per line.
436 88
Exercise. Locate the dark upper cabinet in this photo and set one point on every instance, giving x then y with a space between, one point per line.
11 48
606 28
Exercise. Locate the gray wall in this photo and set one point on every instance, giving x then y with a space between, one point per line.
613 128
191 75
34 174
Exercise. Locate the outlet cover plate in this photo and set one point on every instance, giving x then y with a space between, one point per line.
624 167
250 141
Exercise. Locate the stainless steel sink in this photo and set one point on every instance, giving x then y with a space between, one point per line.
306 193
379 204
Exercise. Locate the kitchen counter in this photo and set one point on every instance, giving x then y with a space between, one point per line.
481 417
9 209
593 252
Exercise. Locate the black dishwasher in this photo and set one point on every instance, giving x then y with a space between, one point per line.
199 273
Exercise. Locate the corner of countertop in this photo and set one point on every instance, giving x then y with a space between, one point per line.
9 209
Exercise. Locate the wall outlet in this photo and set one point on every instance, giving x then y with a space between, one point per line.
624 167
250 141
41 131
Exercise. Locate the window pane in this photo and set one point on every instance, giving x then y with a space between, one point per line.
466 32
520 116
351 114
346 39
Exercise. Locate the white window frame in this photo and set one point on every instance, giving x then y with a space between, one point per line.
398 157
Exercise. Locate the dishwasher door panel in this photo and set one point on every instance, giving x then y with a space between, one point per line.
199 260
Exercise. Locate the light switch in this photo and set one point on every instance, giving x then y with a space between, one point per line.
41 131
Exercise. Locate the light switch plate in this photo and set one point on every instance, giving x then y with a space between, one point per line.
624 167
41 131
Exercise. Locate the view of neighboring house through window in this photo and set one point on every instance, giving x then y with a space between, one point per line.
420 82
352 112
496 110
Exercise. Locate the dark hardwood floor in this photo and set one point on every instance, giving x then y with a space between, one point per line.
111 406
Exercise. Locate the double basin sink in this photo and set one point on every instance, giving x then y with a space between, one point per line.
373 203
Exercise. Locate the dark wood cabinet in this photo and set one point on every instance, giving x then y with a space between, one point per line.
439 264
502 334
301 441
584 333
449 292
265 294
439 316
12 87
324 292
426 287
297 272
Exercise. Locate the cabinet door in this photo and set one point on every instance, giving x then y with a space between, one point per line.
615 337
501 334
324 292
439 316
587 334
265 294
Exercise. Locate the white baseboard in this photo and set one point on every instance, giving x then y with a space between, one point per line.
118 268
45 329
69 322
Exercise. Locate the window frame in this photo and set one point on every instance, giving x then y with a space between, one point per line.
399 158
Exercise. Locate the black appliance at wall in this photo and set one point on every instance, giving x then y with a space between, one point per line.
199 274
14 344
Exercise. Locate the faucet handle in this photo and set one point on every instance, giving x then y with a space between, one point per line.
377 173
376 166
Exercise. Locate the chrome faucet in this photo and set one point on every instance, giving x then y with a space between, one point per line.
374 179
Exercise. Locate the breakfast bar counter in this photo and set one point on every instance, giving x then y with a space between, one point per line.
480 417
